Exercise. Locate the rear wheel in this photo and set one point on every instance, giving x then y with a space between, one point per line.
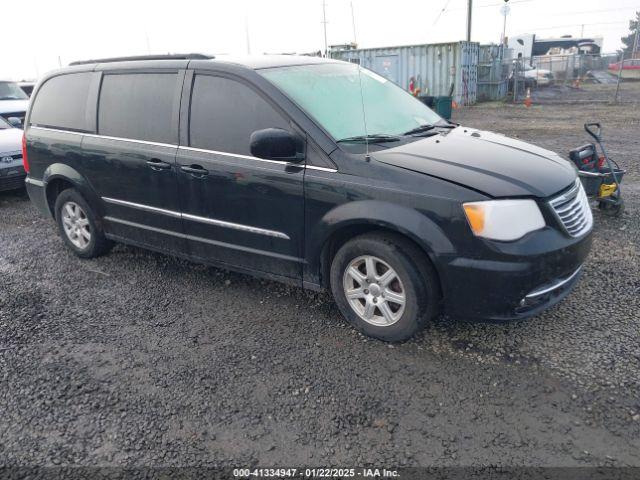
385 286
78 226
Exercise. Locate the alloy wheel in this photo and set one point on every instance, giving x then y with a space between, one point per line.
374 290
76 225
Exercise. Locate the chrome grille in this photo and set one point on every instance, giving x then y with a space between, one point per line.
573 210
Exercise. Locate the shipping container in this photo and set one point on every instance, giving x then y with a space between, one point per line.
436 69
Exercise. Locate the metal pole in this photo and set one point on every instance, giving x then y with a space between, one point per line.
505 12
324 23
504 30
615 98
515 81
353 23
246 31
469 9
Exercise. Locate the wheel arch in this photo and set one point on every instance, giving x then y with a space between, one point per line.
58 177
349 220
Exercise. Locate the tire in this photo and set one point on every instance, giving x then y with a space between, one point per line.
416 280
78 226
612 210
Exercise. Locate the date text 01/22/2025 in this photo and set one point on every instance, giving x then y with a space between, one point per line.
314 473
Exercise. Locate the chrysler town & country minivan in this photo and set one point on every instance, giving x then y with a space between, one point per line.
311 171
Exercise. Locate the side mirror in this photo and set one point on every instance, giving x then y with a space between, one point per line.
275 144
15 122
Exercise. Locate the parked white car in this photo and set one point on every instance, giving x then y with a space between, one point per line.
12 172
13 102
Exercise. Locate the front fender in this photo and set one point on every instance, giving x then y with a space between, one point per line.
389 216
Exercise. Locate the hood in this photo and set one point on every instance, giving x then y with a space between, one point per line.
496 165
13 106
10 140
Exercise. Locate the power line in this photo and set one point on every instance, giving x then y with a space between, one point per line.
441 12
492 4
577 25
596 11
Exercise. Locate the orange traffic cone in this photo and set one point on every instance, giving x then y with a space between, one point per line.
454 105
527 100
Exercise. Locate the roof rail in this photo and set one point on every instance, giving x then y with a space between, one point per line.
170 56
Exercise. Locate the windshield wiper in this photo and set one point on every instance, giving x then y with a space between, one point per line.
447 125
373 138
420 129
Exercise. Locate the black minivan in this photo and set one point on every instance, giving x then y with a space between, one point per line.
310 171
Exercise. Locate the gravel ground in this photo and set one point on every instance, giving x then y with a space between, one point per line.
140 359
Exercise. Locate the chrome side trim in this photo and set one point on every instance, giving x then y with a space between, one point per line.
182 147
558 284
196 218
204 240
47 129
33 181
132 140
322 169
237 155
140 206
236 226
227 154
105 137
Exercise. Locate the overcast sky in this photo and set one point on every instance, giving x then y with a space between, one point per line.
50 32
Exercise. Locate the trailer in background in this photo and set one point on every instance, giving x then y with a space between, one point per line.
442 69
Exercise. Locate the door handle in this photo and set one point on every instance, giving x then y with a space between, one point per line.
195 170
158 165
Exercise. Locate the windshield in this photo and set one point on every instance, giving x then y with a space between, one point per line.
11 91
4 125
349 101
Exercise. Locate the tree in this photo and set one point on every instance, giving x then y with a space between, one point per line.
630 39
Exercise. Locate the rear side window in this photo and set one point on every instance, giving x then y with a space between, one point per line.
138 106
224 114
61 102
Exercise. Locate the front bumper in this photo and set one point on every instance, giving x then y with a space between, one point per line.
519 280
12 178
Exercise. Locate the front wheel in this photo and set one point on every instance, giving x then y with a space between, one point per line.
384 286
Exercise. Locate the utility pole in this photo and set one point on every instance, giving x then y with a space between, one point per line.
469 8
324 24
353 23
582 31
635 41
505 11
246 31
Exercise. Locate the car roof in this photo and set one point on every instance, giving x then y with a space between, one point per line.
257 62
253 62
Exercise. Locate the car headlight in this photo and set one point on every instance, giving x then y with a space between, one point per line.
504 220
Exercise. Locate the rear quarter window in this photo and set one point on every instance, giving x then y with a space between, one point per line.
138 106
61 102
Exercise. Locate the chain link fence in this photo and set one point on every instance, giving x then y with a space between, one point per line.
566 78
